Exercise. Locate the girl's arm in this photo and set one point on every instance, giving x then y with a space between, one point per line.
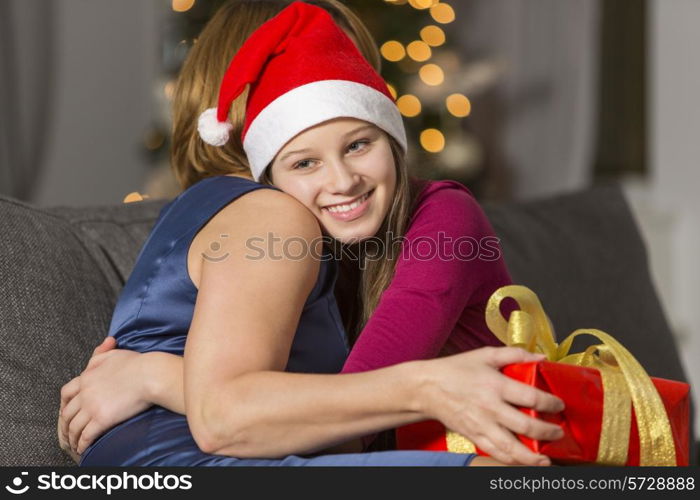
450 261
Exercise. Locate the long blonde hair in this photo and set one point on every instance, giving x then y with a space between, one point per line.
192 160
378 273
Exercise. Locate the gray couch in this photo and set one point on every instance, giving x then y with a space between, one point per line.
61 270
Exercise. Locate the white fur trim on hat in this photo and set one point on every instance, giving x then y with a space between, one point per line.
211 130
311 104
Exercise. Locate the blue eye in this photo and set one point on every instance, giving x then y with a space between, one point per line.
306 164
300 165
362 141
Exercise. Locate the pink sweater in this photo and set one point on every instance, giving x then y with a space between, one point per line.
450 265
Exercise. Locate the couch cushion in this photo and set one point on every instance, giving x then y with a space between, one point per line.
56 306
113 234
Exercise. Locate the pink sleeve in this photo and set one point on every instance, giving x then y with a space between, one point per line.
451 258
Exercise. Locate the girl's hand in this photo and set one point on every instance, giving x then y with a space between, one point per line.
469 394
61 428
110 390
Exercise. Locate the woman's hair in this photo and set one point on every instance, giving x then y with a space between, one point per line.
192 159
200 77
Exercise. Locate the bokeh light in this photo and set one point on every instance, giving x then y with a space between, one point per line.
182 5
443 13
422 4
392 90
432 140
169 90
392 51
432 35
154 140
459 105
409 105
431 74
418 51
132 197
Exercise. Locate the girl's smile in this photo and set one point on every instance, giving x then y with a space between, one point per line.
344 171
351 210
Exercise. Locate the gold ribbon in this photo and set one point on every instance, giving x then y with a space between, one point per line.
623 378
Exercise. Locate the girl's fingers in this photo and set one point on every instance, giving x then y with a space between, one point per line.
69 391
508 449
524 395
68 414
90 433
75 429
486 462
511 445
62 436
107 344
96 359
498 357
487 446
519 423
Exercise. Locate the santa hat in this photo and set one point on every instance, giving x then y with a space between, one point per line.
303 70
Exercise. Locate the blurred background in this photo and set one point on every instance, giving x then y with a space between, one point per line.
517 99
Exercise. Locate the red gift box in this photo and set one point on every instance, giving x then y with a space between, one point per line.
581 389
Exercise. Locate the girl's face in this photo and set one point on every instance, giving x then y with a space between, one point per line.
343 171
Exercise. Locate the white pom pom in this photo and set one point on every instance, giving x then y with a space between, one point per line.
211 130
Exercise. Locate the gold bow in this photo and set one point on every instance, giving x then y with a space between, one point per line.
623 378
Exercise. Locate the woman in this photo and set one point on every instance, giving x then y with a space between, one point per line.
355 196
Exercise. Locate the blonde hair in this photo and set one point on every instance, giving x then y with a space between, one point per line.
198 84
192 160
378 273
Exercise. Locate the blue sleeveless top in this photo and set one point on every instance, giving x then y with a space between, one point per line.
154 312
155 307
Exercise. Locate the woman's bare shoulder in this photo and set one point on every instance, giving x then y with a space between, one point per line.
263 216
268 208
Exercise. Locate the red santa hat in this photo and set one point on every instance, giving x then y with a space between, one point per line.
303 70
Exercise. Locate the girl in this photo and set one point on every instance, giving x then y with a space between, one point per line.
321 125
